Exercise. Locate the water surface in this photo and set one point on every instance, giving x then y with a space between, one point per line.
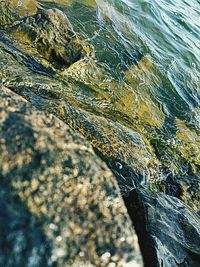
149 56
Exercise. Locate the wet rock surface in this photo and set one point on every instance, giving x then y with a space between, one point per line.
53 36
168 230
61 205
13 10
122 148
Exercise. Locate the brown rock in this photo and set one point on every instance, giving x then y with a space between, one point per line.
13 10
53 36
60 205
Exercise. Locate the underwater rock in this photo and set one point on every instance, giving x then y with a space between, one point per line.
60 204
13 10
122 148
139 77
53 36
64 3
168 230
189 144
186 188
180 156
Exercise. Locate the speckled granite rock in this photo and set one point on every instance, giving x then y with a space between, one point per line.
13 10
168 230
60 204
71 214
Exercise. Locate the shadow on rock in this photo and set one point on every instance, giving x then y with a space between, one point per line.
168 230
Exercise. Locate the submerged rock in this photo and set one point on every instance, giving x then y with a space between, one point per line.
64 3
13 10
186 188
86 86
139 77
122 148
60 204
168 230
189 144
53 36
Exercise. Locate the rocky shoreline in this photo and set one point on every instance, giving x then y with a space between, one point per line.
77 187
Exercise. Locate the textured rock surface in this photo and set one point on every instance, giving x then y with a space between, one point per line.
60 205
13 10
53 36
186 188
122 148
64 3
168 230
72 213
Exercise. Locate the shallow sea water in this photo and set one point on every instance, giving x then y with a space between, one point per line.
150 53
167 31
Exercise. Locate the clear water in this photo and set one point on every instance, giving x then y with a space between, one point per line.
166 31
148 54
170 32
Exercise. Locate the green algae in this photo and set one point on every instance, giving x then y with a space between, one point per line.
67 3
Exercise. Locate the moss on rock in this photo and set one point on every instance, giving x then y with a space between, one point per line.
13 10
53 36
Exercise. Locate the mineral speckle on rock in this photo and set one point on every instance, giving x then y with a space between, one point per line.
61 204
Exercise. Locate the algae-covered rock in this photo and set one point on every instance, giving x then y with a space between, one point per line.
66 3
53 36
189 144
141 77
13 10
60 204
122 148
179 153
187 186
168 230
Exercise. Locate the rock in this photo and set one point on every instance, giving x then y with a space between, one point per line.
53 36
86 86
139 77
179 153
60 205
13 10
168 230
123 149
186 188
188 144
64 3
